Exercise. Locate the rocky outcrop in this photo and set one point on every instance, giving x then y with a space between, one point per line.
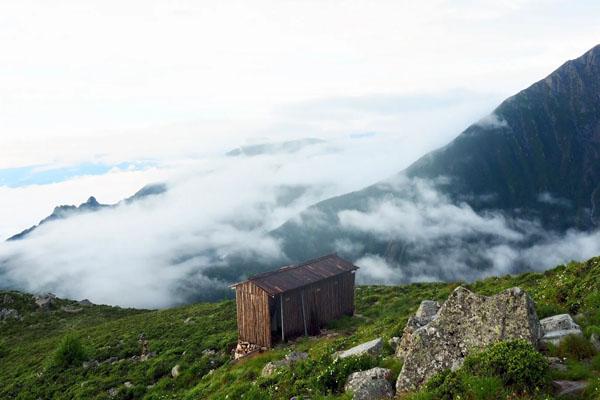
372 384
45 301
272 366
426 313
9 313
466 321
558 327
372 347
71 309
569 388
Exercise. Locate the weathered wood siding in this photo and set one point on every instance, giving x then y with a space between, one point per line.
324 301
253 318
305 310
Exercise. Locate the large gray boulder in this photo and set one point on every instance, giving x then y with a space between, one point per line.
372 347
558 327
372 384
466 321
426 313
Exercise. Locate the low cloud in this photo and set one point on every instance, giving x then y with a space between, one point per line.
492 121
430 238
548 198
212 226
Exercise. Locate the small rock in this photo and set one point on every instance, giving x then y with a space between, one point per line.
372 347
372 384
558 327
296 356
271 367
147 356
595 341
110 360
569 388
128 385
188 320
175 371
209 352
85 302
7 299
556 363
90 364
113 392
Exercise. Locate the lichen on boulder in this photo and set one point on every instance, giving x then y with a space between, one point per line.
371 384
426 313
466 321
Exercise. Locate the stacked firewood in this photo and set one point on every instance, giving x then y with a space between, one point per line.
244 348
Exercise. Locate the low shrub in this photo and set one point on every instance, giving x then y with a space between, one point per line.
517 363
70 352
548 309
595 363
333 377
575 371
485 387
447 385
576 348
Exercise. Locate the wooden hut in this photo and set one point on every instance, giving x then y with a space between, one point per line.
294 300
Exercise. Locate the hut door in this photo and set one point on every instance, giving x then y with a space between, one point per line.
311 304
276 319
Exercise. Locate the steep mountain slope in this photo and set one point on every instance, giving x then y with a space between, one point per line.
532 166
545 139
200 337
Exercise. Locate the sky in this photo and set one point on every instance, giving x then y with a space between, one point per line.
103 97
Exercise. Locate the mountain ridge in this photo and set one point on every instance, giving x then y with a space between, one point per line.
91 205
536 158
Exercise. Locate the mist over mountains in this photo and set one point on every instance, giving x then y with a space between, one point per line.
517 190
510 185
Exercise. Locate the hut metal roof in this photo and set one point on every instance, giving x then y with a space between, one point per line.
295 276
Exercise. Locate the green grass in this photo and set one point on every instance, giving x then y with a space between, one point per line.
202 347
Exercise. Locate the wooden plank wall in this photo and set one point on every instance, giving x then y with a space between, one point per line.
253 319
324 301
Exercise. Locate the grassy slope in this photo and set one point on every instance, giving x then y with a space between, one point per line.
26 346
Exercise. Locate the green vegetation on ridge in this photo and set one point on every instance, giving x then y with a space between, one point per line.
199 338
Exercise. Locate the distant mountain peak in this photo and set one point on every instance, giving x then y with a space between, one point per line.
91 205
